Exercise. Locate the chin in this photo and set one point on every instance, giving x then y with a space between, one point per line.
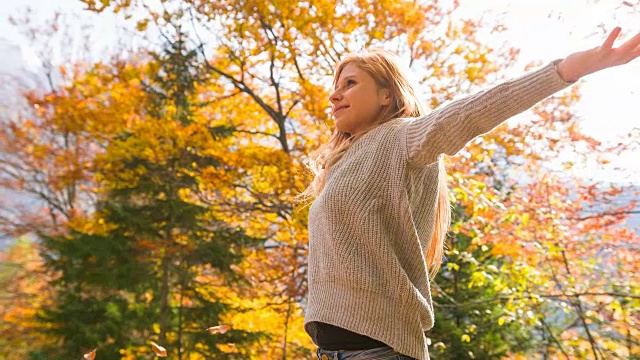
340 126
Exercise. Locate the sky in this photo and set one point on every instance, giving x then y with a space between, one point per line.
543 30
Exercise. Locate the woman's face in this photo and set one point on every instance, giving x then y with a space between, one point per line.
356 100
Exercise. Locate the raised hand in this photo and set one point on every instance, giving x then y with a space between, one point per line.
604 56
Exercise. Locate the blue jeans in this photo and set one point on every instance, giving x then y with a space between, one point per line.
381 353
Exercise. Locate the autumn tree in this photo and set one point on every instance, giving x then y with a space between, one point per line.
45 183
24 293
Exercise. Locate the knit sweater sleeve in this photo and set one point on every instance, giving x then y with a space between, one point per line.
449 128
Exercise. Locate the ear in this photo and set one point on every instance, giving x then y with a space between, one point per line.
384 95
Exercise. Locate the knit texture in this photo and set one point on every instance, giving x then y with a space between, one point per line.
371 225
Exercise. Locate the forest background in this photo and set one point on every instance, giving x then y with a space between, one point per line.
146 181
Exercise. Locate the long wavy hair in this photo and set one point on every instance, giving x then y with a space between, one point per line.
384 68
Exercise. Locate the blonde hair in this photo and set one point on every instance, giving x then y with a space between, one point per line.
384 68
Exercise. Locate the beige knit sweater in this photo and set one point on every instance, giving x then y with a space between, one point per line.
371 225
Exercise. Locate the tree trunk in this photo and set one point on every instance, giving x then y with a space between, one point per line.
164 302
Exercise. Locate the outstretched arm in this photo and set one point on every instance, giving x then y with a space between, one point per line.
448 129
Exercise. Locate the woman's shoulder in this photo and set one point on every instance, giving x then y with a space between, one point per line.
386 138
399 123
394 125
394 129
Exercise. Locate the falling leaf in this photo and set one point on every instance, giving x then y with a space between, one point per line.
220 329
159 350
90 355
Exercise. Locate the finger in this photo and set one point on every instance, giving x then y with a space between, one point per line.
636 53
629 56
612 38
630 45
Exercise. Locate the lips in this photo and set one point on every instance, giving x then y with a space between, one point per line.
340 108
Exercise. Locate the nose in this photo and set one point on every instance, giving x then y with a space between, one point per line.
335 97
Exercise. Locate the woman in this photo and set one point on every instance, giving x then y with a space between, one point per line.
381 211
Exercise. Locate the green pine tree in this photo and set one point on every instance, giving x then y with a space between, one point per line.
469 308
111 291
